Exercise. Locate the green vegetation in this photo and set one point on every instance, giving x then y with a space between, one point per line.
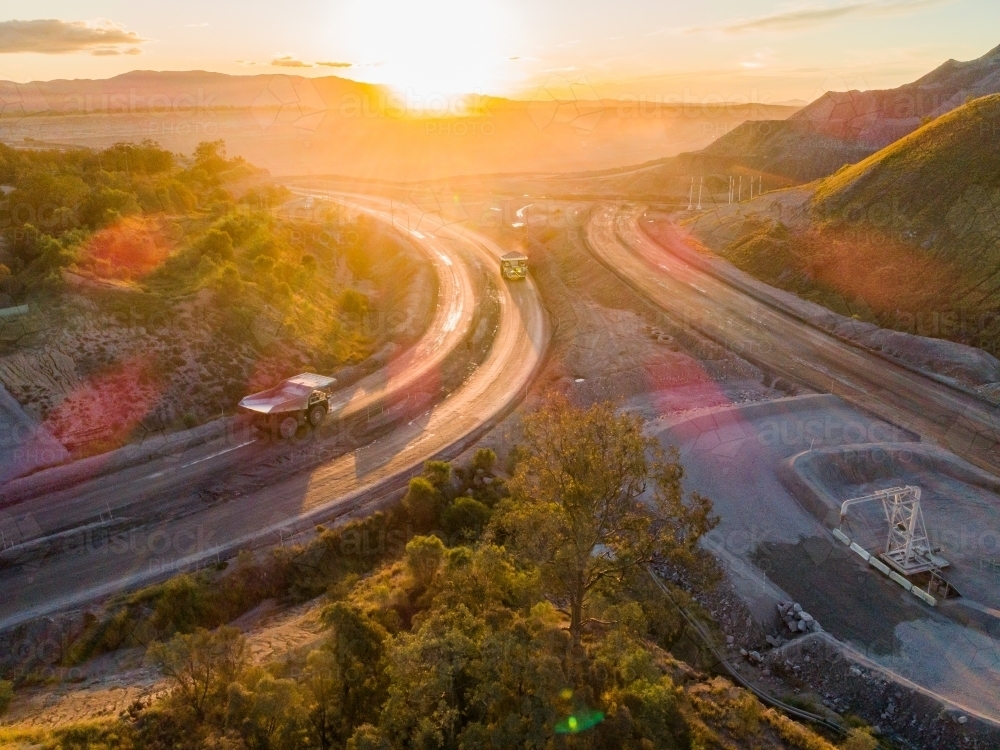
577 513
907 239
465 639
6 695
932 200
813 266
169 287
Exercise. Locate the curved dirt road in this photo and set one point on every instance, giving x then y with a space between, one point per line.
145 523
965 425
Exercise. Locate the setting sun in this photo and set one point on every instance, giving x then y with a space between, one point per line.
429 50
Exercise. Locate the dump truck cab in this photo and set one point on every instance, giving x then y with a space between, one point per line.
514 266
281 410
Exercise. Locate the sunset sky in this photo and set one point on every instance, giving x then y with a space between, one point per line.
723 49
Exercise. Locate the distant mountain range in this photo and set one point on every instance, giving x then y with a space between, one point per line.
293 125
146 90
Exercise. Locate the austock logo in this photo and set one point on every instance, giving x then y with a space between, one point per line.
289 100
429 209
566 100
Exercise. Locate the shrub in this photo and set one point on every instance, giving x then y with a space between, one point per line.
423 558
353 302
423 504
465 518
218 245
201 666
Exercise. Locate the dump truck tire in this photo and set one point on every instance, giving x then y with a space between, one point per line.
289 426
316 415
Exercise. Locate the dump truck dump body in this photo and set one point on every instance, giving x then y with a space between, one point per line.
290 403
289 395
514 266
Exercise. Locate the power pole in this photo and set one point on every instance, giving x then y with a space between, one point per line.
701 184
691 195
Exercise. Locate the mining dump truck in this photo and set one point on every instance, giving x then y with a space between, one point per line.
514 266
290 404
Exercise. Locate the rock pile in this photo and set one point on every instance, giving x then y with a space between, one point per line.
796 619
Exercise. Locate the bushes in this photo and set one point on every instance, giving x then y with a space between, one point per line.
217 245
423 504
427 645
353 302
180 605
201 666
465 519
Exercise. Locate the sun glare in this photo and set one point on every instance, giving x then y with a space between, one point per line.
426 51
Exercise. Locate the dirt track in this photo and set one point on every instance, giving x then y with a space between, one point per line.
732 460
671 276
149 522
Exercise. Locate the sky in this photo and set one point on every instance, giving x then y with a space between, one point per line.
723 50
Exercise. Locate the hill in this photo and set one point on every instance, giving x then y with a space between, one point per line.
842 126
162 91
791 149
877 118
161 289
937 190
908 238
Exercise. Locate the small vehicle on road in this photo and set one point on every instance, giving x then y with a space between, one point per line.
294 402
514 266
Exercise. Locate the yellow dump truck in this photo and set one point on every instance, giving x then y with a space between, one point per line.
514 266
290 404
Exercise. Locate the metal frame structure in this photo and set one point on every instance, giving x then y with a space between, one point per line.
908 548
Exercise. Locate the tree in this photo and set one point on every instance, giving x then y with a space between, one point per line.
210 156
105 205
579 507
431 680
423 504
484 460
353 302
202 665
423 559
218 245
229 283
345 681
464 519
269 715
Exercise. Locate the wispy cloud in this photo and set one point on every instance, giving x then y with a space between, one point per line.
335 64
55 37
114 51
288 61
810 16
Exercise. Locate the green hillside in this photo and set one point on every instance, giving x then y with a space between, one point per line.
935 195
792 149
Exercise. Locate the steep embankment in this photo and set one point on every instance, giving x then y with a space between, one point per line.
935 195
908 239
